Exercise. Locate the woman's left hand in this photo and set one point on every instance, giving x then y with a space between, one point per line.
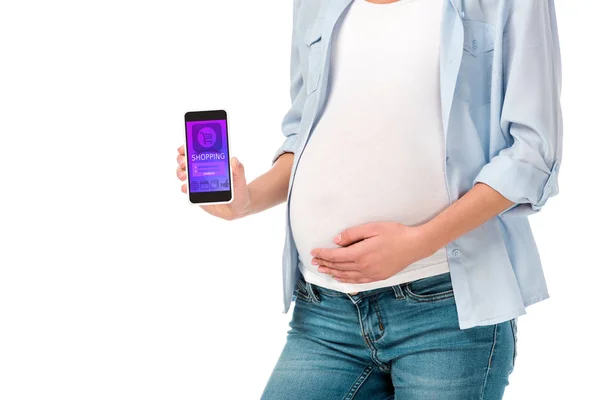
373 252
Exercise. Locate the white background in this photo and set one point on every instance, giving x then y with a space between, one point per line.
112 286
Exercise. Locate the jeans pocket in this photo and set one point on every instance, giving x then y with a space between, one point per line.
433 288
301 292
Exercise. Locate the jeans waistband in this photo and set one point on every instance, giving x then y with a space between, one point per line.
315 290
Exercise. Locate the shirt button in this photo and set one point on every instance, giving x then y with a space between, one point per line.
455 252
474 45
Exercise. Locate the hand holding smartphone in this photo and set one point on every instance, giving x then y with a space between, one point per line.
207 156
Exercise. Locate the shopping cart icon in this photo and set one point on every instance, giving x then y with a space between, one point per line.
208 139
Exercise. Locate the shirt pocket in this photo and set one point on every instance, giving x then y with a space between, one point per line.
314 44
475 75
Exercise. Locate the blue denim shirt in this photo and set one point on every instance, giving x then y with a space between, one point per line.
500 77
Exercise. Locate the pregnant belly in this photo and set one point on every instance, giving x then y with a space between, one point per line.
337 187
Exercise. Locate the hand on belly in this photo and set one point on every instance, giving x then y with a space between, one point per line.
372 252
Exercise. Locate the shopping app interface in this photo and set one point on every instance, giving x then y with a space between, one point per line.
208 159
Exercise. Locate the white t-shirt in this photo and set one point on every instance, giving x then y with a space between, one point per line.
377 152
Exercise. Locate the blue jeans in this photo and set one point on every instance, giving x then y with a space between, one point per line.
399 342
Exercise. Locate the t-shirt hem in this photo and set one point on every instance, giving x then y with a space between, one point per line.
409 276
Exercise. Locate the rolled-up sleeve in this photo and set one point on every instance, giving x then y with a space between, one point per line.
291 120
526 172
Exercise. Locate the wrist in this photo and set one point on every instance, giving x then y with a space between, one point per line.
249 207
432 237
243 210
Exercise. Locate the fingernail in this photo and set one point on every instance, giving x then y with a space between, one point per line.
314 262
338 239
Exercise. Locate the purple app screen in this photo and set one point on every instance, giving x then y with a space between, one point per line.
208 159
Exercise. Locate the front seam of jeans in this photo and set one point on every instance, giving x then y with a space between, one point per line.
365 335
379 318
359 381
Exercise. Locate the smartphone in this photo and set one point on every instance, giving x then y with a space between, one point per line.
207 155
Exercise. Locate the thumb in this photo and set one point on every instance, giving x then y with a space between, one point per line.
238 171
355 234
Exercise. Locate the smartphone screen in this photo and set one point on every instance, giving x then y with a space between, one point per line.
207 153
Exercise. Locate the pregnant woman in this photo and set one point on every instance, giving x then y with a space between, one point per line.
421 136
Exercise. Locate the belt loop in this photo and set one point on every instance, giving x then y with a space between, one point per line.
398 292
312 292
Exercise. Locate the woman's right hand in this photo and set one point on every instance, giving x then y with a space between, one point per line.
241 204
